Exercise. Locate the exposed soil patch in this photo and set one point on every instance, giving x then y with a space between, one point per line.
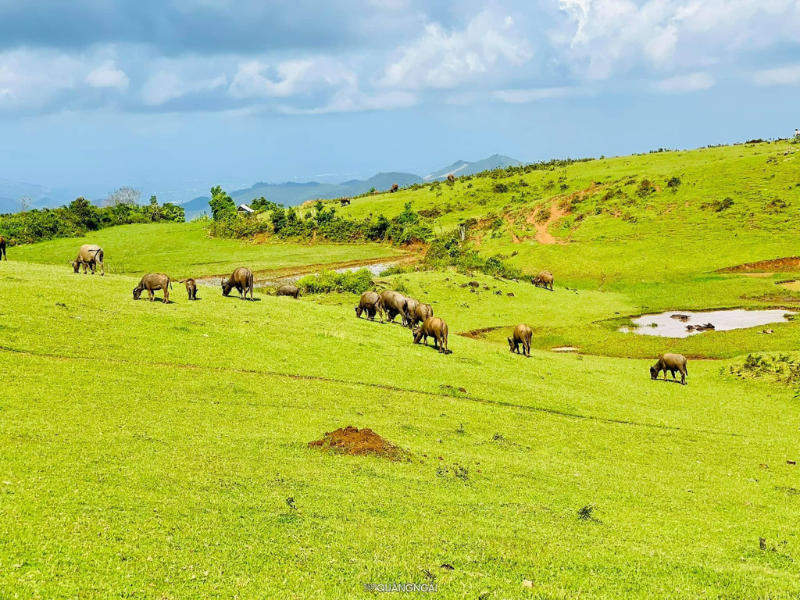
479 334
359 442
779 265
791 285
543 236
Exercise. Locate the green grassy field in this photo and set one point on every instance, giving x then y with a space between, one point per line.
150 450
185 250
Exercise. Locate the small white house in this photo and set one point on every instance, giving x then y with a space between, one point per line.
245 210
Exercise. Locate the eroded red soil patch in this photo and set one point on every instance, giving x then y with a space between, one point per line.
359 442
779 265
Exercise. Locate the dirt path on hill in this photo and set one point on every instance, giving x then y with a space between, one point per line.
289 274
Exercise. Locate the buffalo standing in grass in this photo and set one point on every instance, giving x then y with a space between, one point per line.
191 288
344 201
242 280
152 283
451 178
437 329
544 279
89 256
289 290
522 335
421 312
370 303
409 306
3 248
395 187
393 303
672 363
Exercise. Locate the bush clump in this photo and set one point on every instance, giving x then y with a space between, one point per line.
718 205
325 282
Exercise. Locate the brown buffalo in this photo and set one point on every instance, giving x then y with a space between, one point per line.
289 290
522 335
421 312
395 187
370 303
409 306
191 288
242 280
451 178
344 201
3 248
151 283
89 256
393 303
544 279
435 328
672 363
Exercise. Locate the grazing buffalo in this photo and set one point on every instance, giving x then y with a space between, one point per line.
395 187
451 178
289 290
409 306
393 303
522 335
421 312
435 328
242 280
151 283
370 303
544 279
191 288
89 256
3 248
344 201
671 363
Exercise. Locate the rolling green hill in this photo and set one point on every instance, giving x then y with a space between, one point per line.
161 451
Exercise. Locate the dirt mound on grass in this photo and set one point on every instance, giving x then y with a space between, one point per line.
789 264
358 442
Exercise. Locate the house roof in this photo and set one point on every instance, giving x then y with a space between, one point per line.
246 208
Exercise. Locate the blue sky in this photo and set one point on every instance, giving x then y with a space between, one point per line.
120 92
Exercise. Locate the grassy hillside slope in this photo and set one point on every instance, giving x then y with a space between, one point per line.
185 250
159 444
161 451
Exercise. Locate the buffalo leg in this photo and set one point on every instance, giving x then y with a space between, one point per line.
166 296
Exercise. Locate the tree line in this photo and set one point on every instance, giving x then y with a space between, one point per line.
81 216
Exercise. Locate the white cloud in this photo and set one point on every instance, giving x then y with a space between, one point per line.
684 83
107 75
445 59
353 100
164 86
534 95
606 37
778 76
291 78
31 78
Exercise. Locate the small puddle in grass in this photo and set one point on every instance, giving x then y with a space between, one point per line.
681 324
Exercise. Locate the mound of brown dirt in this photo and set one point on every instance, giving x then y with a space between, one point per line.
358 442
789 264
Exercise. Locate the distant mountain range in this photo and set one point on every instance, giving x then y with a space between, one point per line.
463 167
288 194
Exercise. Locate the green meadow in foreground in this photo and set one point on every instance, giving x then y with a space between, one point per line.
161 451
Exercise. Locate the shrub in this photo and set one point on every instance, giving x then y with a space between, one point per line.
500 188
718 205
645 188
674 183
356 282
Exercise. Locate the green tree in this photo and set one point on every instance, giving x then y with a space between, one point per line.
222 205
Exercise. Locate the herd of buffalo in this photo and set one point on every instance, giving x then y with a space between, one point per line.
415 315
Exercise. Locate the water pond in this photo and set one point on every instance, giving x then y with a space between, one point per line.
681 324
